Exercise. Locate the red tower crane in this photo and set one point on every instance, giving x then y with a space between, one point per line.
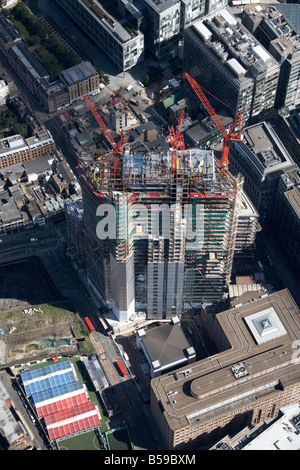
175 140
228 136
117 147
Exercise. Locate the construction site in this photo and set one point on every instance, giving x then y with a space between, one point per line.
175 222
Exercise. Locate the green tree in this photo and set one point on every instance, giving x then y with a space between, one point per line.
20 128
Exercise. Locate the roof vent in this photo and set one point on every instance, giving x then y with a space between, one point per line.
239 370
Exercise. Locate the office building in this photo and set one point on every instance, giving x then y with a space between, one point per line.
286 214
163 27
261 159
248 226
253 375
166 21
192 10
172 244
278 35
75 229
226 60
118 38
288 130
281 433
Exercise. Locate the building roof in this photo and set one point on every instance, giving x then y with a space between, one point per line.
293 197
267 152
10 428
32 65
61 399
165 344
173 99
7 31
246 368
78 73
282 434
292 13
95 372
285 36
206 128
161 5
9 212
38 165
232 43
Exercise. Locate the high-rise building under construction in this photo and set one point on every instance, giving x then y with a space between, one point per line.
158 240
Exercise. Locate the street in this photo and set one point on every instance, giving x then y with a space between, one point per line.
278 269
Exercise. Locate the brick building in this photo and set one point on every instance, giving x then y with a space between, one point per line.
254 374
15 149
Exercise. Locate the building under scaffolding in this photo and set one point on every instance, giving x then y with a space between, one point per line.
157 240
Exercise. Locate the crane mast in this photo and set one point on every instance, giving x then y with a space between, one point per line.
176 140
228 136
117 147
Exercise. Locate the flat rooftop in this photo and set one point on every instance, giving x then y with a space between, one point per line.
248 368
293 197
282 434
11 429
161 5
286 38
232 43
269 153
16 143
117 26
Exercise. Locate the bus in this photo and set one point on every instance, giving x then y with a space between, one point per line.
89 324
121 368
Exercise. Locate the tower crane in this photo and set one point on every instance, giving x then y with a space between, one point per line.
175 140
228 136
117 147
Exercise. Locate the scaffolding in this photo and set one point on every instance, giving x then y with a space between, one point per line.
199 171
148 178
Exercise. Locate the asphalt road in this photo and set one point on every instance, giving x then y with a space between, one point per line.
278 268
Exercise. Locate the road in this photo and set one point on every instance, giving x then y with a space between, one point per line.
278 268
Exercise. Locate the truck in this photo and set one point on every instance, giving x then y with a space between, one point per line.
129 87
